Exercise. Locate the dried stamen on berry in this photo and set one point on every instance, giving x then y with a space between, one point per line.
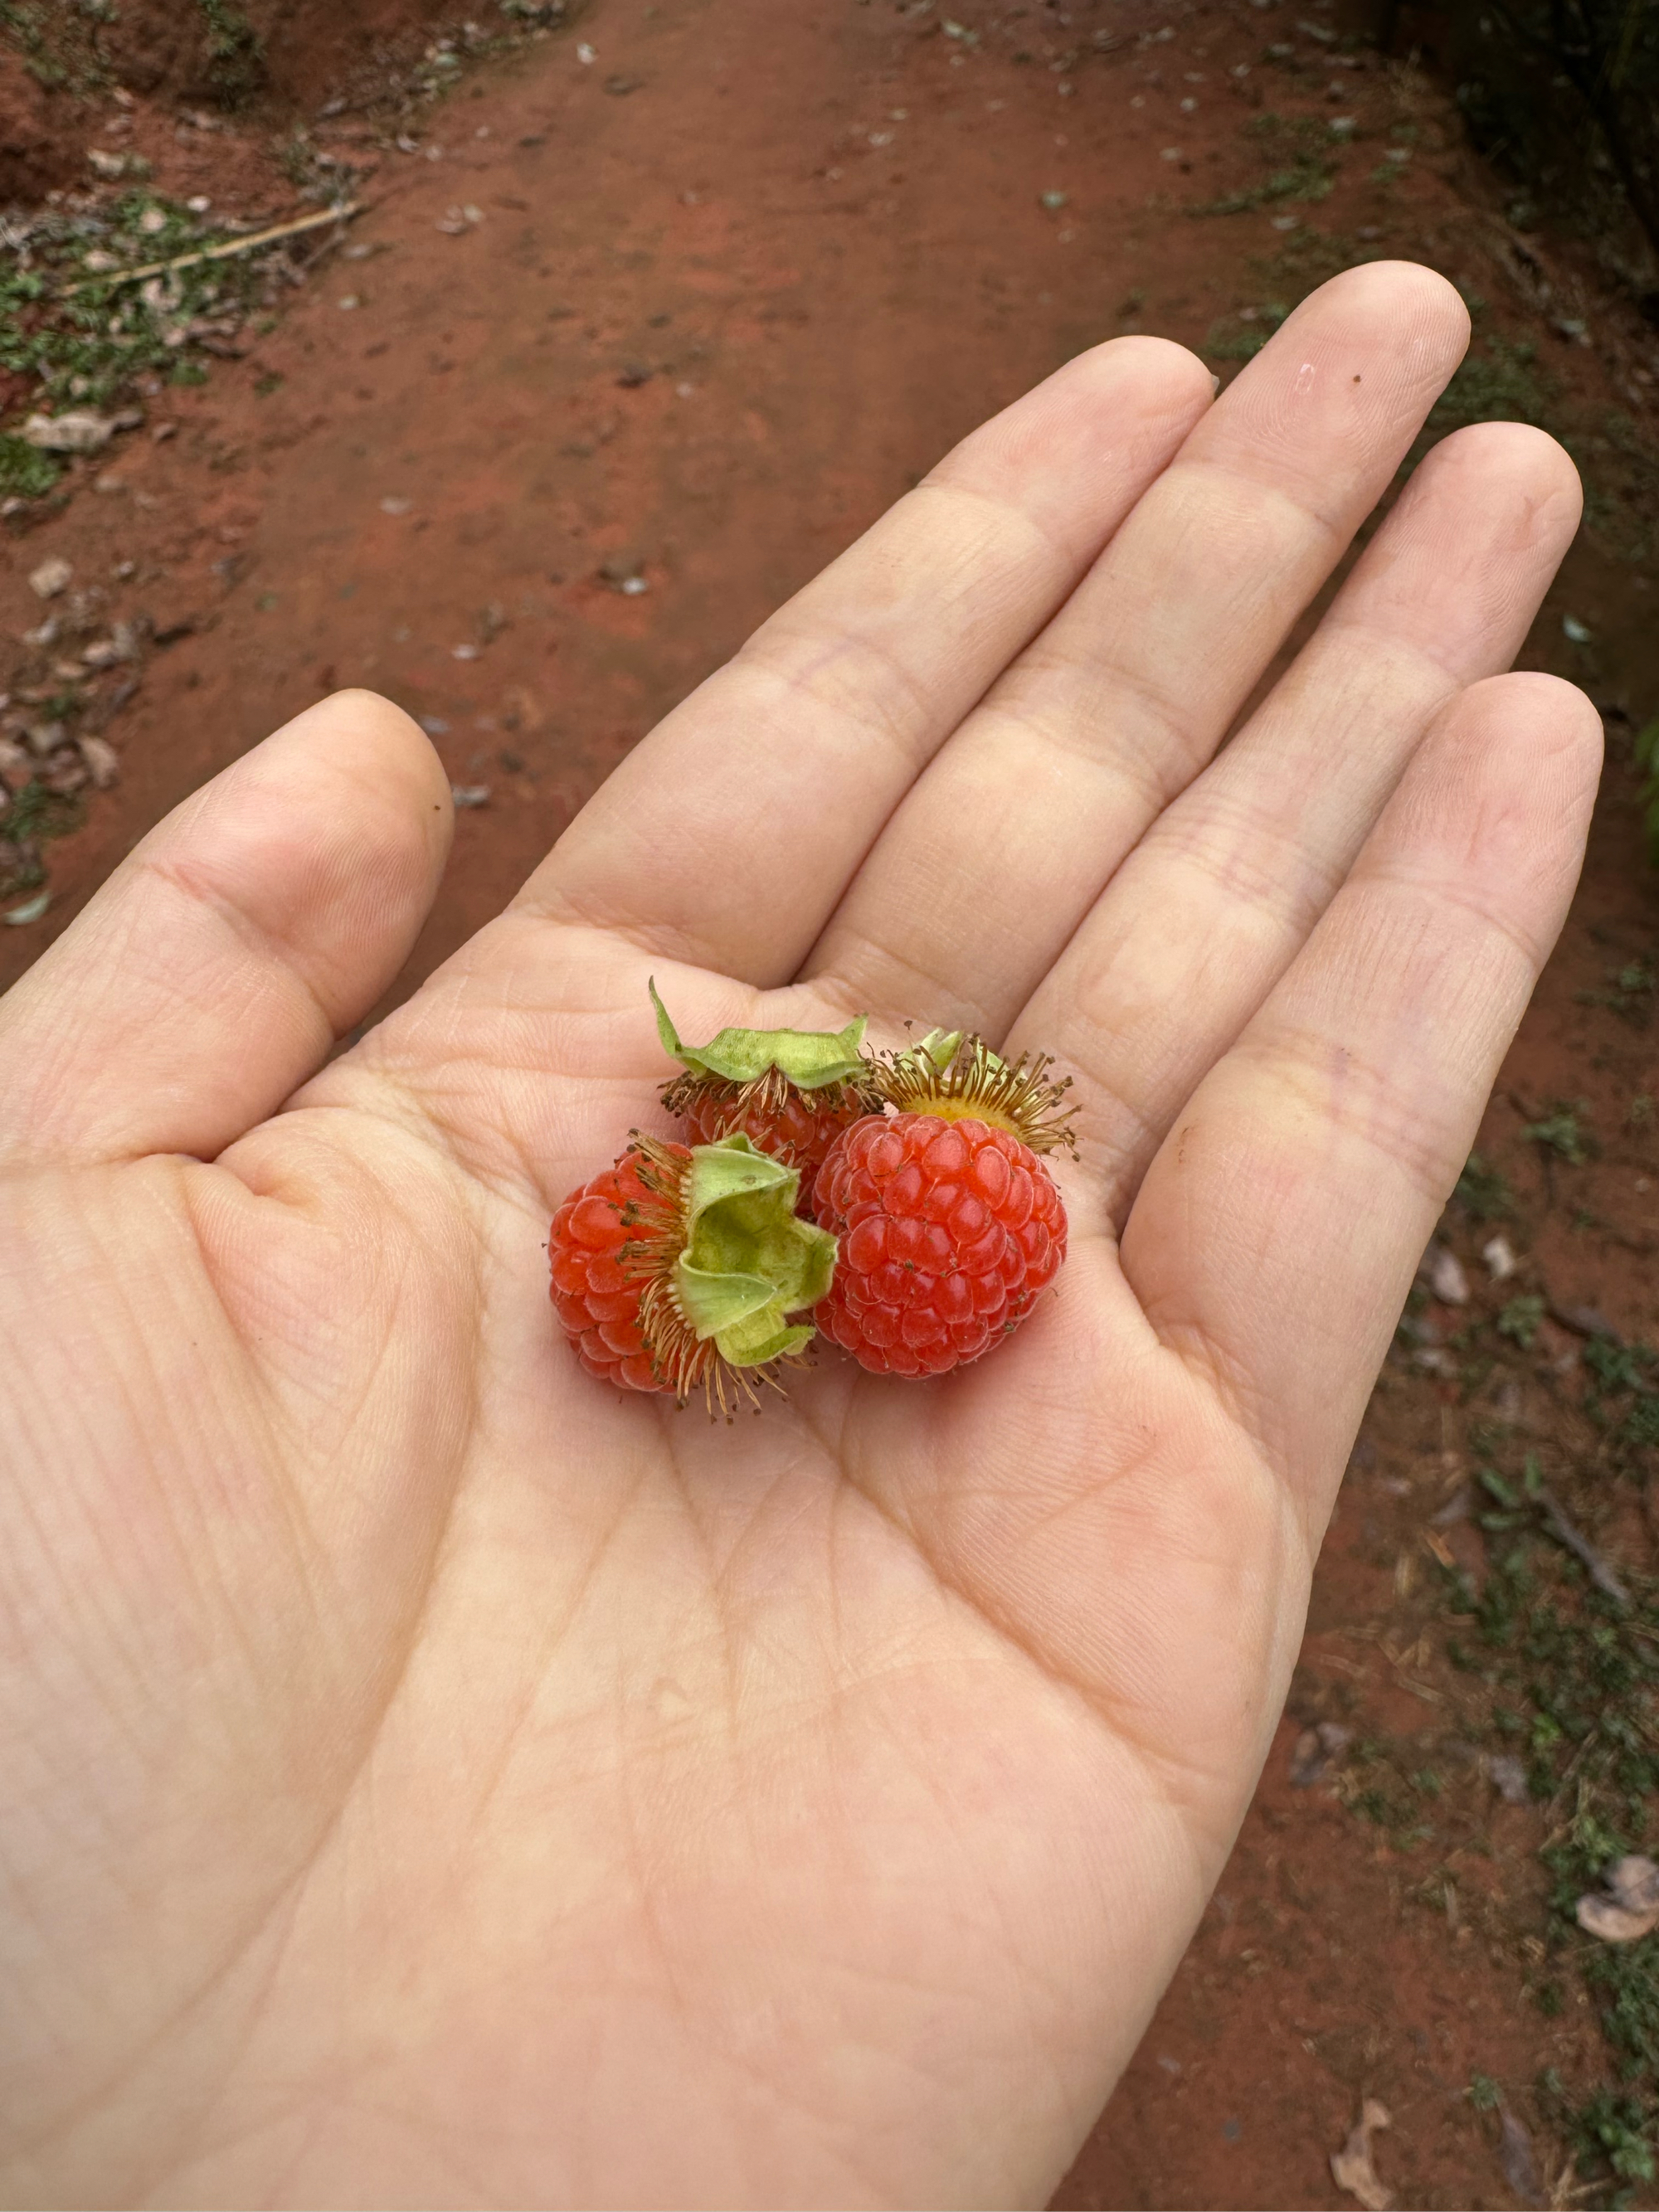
975 1084
647 1255
769 1095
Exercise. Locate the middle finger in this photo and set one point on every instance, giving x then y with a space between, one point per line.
987 868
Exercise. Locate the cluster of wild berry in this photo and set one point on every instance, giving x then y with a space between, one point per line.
898 1205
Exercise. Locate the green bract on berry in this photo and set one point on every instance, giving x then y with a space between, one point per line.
678 1268
790 1092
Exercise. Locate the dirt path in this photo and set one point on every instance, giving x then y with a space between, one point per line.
616 357
706 328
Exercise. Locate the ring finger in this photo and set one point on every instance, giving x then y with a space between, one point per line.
1206 914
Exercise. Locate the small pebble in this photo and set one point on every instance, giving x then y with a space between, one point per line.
1508 1779
103 761
51 577
1499 1258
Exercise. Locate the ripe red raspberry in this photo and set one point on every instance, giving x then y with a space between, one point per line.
946 1231
597 1283
677 1267
948 1225
791 1092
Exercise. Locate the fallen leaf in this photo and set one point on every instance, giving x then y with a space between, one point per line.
1316 1750
1507 1777
1629 1907
80 431
1350 2166
1610 1922
1583 1321
1515 2156
1634 1880
103 761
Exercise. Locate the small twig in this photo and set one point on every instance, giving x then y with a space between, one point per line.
221 252
1571 1540
1566 1775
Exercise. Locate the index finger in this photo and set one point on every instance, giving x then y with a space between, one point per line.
728 836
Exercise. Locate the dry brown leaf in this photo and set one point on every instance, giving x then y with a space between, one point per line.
1350 2166
1609 1922
1514 2155
1634 1880
1628 1908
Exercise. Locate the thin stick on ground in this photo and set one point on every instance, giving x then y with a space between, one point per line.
1572 1539
291 229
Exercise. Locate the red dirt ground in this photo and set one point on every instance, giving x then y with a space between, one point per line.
735 283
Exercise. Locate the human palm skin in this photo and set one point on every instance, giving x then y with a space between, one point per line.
434 1777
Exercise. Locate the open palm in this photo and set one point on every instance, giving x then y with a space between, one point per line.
433 1776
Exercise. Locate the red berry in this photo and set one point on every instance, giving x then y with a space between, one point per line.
798 1127
947 1231
680 1265
597 1279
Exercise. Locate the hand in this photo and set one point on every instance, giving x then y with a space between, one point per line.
434 1777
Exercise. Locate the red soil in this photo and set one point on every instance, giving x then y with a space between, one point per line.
733 286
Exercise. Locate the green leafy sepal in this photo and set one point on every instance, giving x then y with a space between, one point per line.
939 1048
810 1059
749 1260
